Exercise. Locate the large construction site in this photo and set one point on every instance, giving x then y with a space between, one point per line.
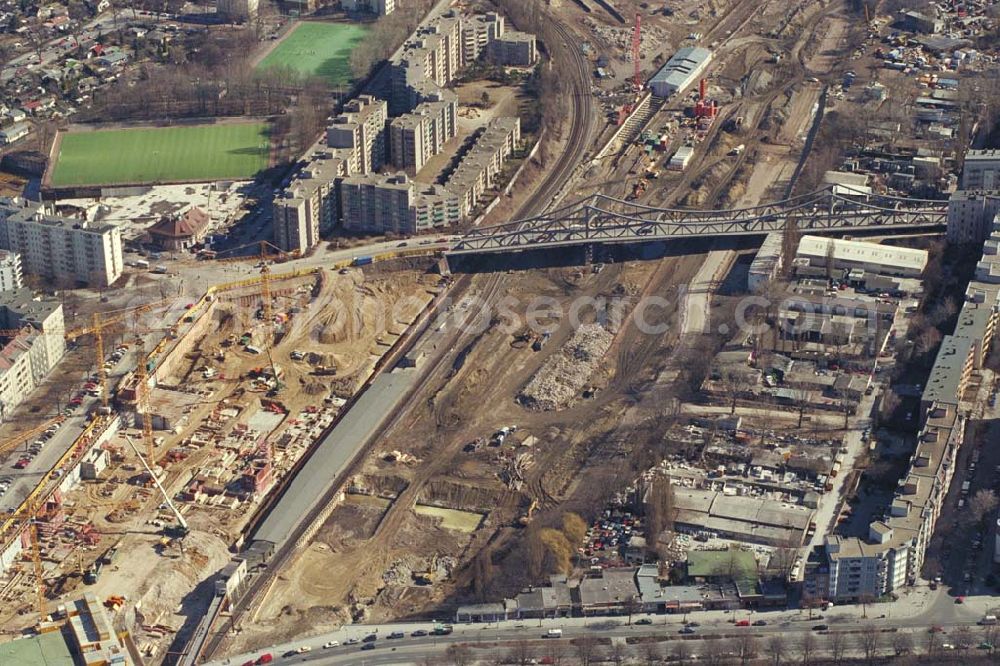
514 414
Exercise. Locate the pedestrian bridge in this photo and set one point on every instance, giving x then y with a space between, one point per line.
604 219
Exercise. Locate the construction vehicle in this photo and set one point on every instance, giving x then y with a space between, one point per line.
525 519
179 530
427 577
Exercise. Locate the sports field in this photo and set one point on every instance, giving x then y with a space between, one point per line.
318 49
235 150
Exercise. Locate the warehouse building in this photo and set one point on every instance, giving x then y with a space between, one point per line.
870 257
684 68
65 250
741 518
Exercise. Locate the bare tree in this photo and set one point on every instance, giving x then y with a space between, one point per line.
557 653
651 653
837 646
902 643
459 655
586 649
659 509
776 649
982 505
521 653
713 651
868 642
962 638
746 648
933 643
618 653
807 649
733 385
680 652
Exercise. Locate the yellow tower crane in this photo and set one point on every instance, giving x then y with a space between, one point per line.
103 320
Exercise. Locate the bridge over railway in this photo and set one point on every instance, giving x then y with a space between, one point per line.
603 219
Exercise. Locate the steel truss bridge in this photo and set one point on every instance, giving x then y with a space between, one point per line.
603 219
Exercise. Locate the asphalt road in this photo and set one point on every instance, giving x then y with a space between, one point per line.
915 613
25 480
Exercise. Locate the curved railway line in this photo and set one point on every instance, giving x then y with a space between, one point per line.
544 195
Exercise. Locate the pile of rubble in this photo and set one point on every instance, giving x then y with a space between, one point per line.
655 40
560 380
513 468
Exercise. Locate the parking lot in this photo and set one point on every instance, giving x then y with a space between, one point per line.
24 467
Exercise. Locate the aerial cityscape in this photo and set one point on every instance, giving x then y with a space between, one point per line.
469 332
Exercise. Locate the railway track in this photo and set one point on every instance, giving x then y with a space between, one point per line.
545 194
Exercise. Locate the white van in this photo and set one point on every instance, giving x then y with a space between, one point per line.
553 633
988 619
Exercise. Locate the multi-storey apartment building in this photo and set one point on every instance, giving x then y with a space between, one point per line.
981 170
479 168
893 554
478 32
360 130
26 358
417 136
428 60
237 10
514 49
310 205
377 7
10 271
971 214
396 204
62 249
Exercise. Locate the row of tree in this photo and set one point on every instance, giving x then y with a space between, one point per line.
871 645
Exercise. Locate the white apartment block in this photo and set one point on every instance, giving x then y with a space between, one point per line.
428 60
416 137
893 554
981 170
514 49
65 250
377 7
10 271
27 358
236 10
480 167
360 129
375 203
971 214
309 206
478 32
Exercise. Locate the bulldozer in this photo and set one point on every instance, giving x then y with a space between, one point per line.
426 577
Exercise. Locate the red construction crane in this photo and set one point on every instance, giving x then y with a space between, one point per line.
637 52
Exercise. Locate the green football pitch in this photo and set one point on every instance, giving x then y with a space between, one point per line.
236 150
318 49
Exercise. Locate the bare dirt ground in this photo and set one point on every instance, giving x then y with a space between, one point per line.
376 547
362 565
